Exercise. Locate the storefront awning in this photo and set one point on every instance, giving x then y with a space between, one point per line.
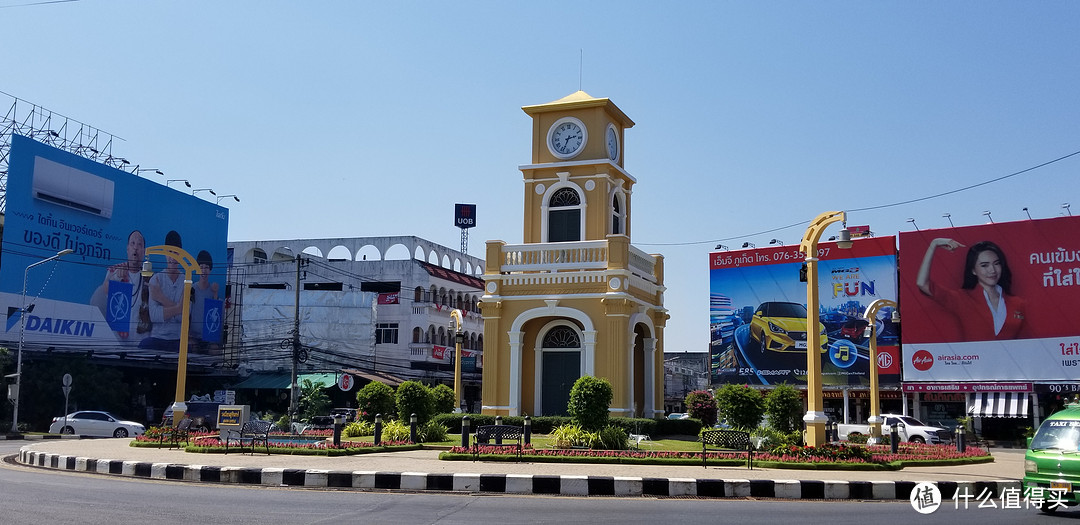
280 381
271 381
999 404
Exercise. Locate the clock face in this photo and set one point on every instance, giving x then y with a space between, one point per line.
612 143
566 137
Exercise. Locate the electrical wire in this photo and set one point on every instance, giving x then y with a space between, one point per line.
870 208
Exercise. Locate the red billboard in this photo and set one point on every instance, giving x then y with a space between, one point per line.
992 302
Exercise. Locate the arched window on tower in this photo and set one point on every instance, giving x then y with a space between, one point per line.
617 215
564 216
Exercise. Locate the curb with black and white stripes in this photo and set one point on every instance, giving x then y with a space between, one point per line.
513 483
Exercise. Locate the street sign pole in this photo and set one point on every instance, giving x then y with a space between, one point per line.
67 390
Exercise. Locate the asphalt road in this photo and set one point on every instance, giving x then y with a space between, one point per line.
34 496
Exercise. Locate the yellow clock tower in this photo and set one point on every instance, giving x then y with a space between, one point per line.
576 298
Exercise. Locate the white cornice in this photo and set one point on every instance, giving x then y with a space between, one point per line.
573 163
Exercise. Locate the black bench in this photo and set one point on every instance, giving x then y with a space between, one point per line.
729 441
182 431
251 432
498 436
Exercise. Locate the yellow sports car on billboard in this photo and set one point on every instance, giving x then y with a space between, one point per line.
781 327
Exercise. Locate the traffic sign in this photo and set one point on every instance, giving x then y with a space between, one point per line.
345 382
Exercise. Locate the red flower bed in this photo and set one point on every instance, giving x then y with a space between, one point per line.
877 454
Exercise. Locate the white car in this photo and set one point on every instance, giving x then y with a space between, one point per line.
95 423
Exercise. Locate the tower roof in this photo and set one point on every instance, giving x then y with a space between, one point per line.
580 99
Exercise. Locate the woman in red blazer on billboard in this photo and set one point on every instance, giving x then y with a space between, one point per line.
984 304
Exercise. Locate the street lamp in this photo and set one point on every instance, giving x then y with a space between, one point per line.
170 181
875 392
193 192
235 198
23 310
455 325
815 417
190 265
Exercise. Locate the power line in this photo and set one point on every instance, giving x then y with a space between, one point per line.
870 208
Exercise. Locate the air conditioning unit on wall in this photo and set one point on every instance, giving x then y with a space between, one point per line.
72 188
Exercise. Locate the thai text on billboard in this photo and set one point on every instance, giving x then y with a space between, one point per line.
757 317
97 298
992 302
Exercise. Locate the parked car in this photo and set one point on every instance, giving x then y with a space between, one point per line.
781 327
907 427
678 415
96 423
349 413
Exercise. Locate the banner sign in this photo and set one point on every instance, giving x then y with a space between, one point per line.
95 297
438 352
992 302
967 387
757 317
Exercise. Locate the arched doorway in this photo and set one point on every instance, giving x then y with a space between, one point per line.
560 351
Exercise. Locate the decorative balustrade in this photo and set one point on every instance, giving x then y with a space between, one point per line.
555 256
578 262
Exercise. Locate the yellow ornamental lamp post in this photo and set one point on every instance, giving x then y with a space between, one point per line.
815 417
455 325
875 392
190 266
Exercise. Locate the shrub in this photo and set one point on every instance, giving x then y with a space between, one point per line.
784 408
432 432
772 438
444 398
635 425
741 405
613 438
395 430
283 422
571 435
376 398
414 398
358 429
590 398
701 405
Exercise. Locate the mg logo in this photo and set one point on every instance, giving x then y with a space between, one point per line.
884 360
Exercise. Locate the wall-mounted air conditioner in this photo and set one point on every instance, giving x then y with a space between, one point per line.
73 188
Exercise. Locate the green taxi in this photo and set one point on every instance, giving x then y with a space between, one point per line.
1052 462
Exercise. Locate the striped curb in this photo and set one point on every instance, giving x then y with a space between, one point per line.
513 483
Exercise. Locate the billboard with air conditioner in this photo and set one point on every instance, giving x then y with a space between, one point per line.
97 298
992 302
757 316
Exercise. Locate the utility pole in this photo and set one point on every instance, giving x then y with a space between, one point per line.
294 391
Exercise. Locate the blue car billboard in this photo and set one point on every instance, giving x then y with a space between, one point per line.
96 298
758 332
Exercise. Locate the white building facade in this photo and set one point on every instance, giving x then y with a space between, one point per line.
376 307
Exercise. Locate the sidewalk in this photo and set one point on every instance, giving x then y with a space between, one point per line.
422 470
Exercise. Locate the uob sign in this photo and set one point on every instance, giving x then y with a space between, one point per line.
464 215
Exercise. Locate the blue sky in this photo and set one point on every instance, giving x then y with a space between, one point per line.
343 119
